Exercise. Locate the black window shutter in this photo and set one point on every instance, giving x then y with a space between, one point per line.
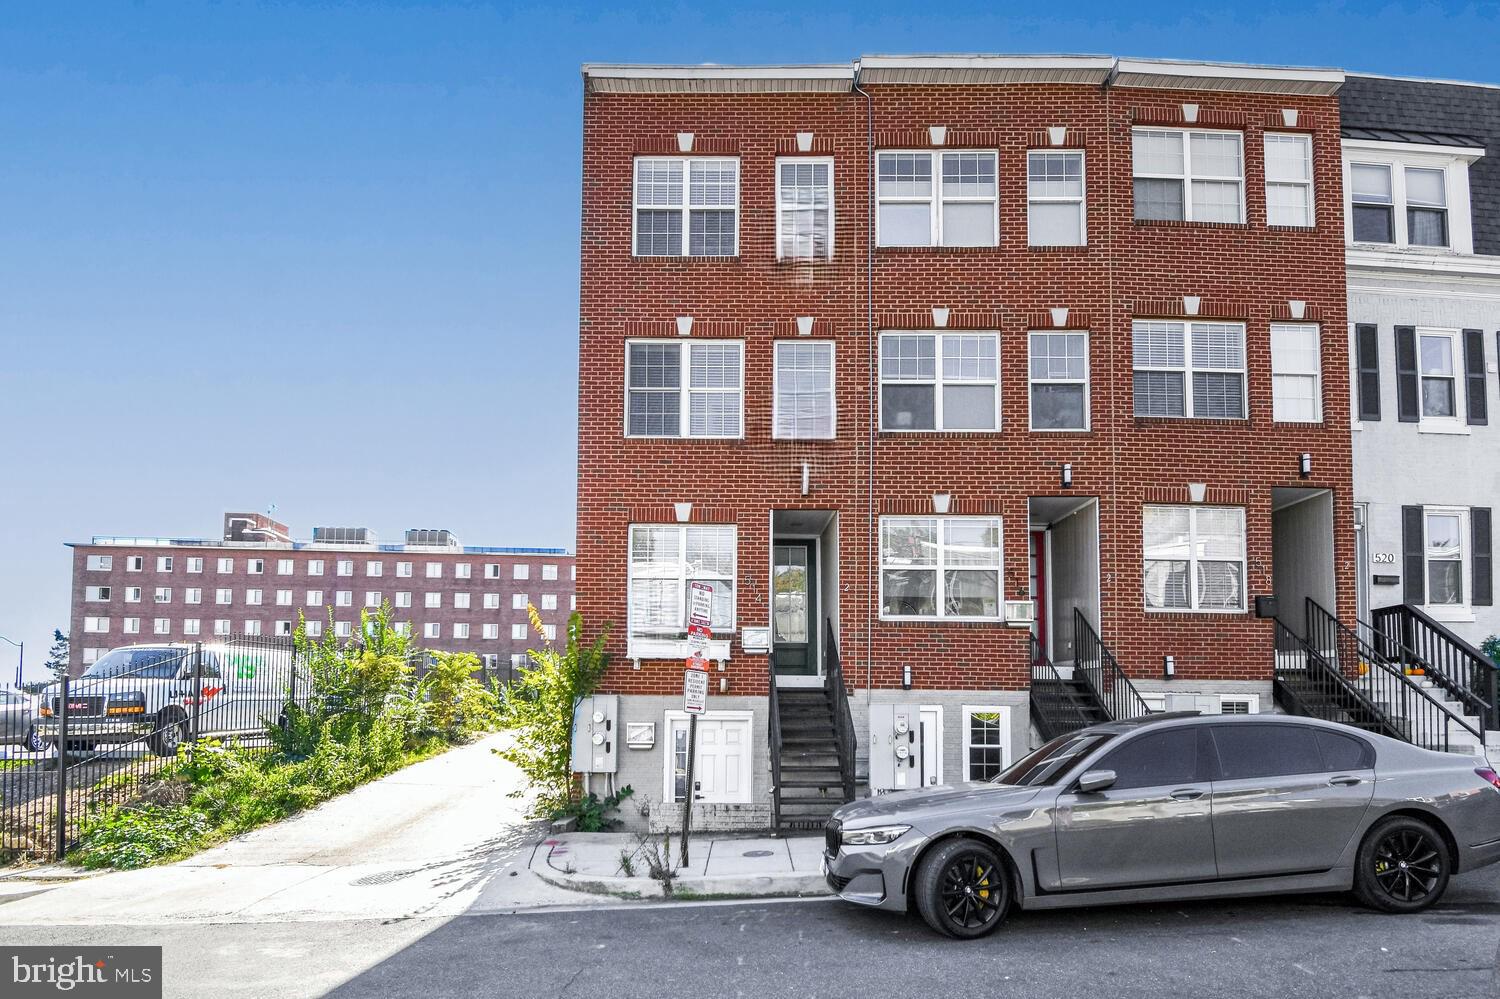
1367 353
1413 560
1408 410
1475 389
1484 571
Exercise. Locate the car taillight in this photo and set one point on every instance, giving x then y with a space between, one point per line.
1489 775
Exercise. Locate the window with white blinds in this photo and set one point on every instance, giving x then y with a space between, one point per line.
665 559
1289 198
1189 369
1296 374
1194 558
696 198
684 390
936 199
804 209
804 390
1189 175
940 567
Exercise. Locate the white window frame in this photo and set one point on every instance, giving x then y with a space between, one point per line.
938 381
253 598
937 199
1307 185
314 598
1189 368
684 207
163 563
674 719
461 629
195 564
939 567
434 570
191 626
343 629
375 567
403 569
432 629
461 601
967 713
549 601
343 567
221 626
99 563
192 595
1188 176
96 625
343 598
491 631
1193 560
1251 701
549 572
372 598
1458 422
1081 200
131 625
1463 610
518 601
403 598
255 566
225 566
518 631
314 627
285 567
1086 382
133 594
1397 157
520 570
647 646
492 570
315 567
777 431
782 209
684 388
492 601
432 601
135 563
283 598
463 570
97 594
162 595
1316 374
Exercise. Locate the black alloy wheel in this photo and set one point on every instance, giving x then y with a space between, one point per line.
1403 866
963 889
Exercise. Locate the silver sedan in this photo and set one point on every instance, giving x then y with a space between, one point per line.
1174 807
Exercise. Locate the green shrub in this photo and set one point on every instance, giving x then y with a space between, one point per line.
453 703
592 813
1491 648
130 836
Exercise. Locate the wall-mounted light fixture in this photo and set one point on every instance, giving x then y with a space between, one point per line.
1168 667
1067 475
906 677
941 502
1304 465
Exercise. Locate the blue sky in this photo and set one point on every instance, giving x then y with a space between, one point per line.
325 255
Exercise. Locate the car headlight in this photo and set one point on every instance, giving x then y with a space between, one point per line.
878 836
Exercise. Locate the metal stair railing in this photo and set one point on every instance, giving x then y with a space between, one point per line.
843 718
1450 662
1420 718
1103 674
1060 715
773 740
1305 681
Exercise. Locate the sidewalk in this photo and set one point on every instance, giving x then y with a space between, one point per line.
720 865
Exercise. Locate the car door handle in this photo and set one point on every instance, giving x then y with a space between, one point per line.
1187 794
1345 781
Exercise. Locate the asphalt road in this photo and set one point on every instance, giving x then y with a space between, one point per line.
1314 946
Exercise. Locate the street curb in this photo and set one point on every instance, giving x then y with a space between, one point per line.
693 887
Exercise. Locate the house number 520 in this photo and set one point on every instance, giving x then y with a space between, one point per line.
1383 558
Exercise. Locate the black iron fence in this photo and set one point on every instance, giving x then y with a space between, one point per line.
94 740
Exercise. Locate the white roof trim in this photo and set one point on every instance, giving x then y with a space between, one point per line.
953 69
623 78
1469 153
1409 261
1171 74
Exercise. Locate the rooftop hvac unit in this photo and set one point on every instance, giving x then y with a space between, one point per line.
344 535
431 539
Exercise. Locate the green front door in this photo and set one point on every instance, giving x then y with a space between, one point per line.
794 619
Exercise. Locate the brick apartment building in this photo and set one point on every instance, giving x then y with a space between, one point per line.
1068 388
257 581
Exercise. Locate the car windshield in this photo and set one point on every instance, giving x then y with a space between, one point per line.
155 664
1052 762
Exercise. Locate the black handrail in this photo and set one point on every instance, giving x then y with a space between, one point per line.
1103 674
1382 672
773 740
838 698
1057 714
1314 687
1445 658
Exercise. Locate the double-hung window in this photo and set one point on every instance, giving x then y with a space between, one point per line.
1189 175
1438 371
936 199
986 741
665 560
1289 199
804 390
1399 205
1443 550
660 374
1054 199
1296 374
1189 369
1373 200
940 567
1194 558
804 209
695 197
1426 207
939 381
1059 380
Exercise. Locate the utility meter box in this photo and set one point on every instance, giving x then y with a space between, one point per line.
895 747
596 734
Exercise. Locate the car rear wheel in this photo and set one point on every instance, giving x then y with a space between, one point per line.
963 889
1403 866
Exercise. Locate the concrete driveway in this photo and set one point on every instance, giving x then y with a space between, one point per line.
437 839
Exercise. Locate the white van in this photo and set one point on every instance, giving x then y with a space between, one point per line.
147 692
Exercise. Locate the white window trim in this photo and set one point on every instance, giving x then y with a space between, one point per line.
1317 376
832 211
747 782
1463 611
1192 561
1253 700
936 199
1188 176
1082 200
967 711
685 392
1397 156
684 208
1088 409
833 362
936 381
660 648
1458 422
1189 369
939 567
1312 204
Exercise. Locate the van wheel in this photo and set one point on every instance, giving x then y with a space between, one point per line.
172 734
963 889
34 742
1403 866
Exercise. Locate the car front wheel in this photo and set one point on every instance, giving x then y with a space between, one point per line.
963 889
34 741
1403 866
171 734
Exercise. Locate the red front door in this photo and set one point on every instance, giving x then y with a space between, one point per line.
1037 585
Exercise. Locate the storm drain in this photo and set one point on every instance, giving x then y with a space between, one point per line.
379 878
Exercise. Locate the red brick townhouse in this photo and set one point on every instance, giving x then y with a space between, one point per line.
990 394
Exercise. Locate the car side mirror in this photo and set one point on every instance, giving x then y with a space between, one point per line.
1095 781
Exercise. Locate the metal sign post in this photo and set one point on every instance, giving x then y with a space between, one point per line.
695 693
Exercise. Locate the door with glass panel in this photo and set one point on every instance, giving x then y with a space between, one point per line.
794 610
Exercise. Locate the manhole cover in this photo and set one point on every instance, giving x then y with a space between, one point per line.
758 853
380 878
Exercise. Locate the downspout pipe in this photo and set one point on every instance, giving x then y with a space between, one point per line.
872 536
